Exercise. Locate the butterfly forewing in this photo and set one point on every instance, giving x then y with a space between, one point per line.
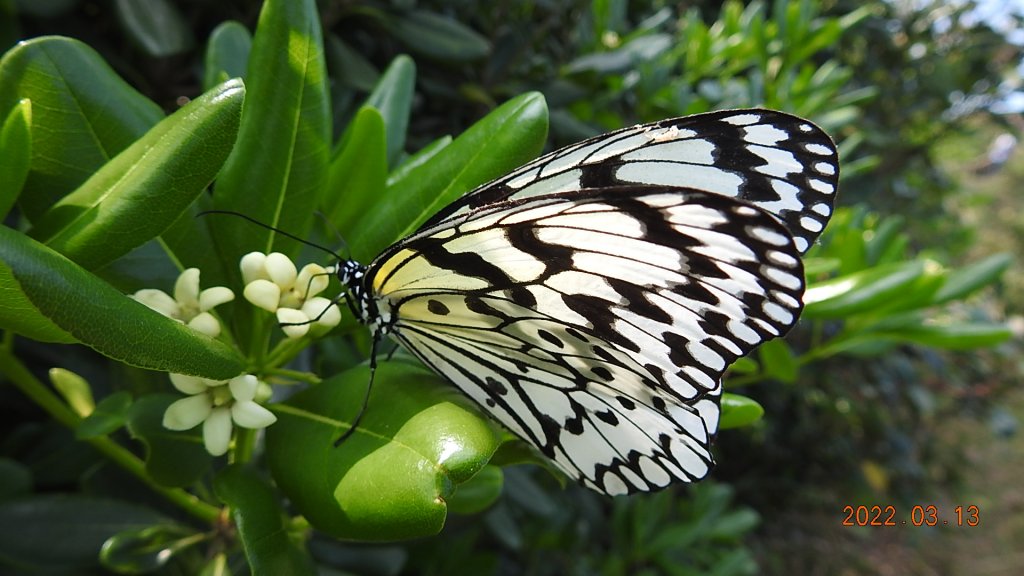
596 323
780 163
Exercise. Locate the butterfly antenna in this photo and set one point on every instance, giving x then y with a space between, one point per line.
366 396
271 228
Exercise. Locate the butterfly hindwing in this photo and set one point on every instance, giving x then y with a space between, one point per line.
778 162
596 323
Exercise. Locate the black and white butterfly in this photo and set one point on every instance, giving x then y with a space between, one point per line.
591 300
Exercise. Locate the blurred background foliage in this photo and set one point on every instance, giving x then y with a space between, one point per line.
892 396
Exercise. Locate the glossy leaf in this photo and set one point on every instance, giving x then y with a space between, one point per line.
27 530
864 291
74 389
392 96
71 298
437 37
155 25
503 140
257 513
358 173
278 170
172 458
16 150
18 314
84 114
110 414
778 361
145 550
349 68
963 282
739 411
953 336
479 492
390 480
141 192
227 53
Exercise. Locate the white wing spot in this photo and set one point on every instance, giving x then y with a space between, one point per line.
825 168
768 236
823 209
819 149
742 119
765 134
777 313
821 186
811 224
705 355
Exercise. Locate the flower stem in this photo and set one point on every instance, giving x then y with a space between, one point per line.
39 393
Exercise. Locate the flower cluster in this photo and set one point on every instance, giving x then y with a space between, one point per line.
273 283
189 305
216 404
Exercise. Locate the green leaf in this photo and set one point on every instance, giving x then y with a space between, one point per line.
952 336
437 37
227 53
961 283
739 411
64 533
278 169
173 459
348 67
778 361
479 492
83 114
358 173
257 513
392 96
16 150
145 550
74 389
506 138
110 415
141 192
155 25
865 291
390 480
64 294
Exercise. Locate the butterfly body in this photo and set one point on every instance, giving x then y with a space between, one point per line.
591 300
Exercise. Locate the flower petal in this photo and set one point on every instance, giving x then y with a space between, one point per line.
189 384
252 415
205 323
253 266
217 431
215 296
312 280
187 413
158 300
244 387
186 289
263 293
325 311
281 270
299 322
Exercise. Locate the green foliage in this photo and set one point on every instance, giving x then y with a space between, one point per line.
100 191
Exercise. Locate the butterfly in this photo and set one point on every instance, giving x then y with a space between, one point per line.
592 299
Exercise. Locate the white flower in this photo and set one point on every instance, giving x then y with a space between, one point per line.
216 406
189 305
273 283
